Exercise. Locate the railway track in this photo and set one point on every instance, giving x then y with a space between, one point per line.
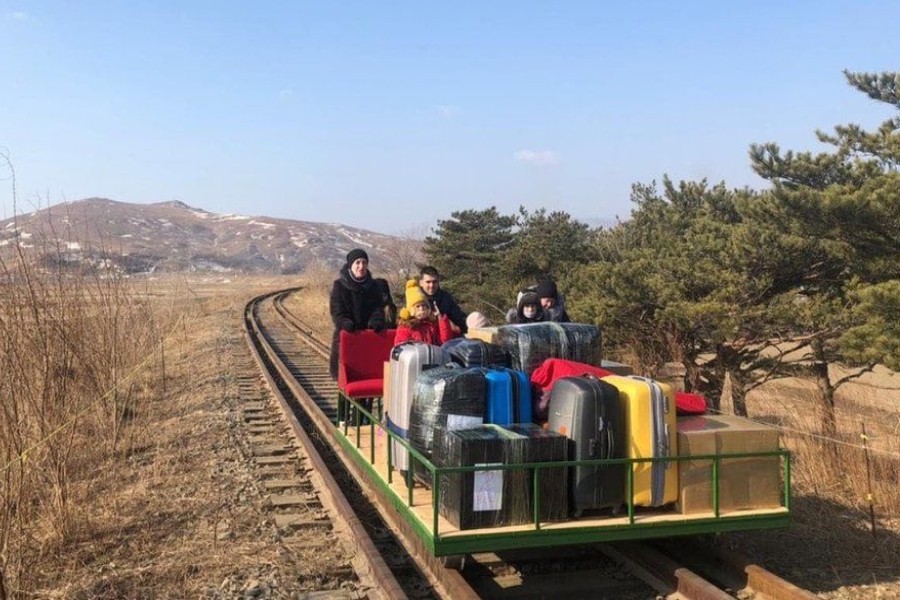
390 557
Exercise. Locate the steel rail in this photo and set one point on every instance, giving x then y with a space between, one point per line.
450 581
332 496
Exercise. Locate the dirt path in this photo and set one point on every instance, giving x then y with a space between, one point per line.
185 514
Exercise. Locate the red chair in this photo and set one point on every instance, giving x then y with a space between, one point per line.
361 365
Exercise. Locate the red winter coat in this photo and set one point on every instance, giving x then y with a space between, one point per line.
429 331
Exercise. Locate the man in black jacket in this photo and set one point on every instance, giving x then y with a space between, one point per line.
443 301
355 301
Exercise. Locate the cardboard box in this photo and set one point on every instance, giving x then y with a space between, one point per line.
487 334
752 482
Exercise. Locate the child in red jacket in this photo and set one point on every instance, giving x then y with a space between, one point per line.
418 323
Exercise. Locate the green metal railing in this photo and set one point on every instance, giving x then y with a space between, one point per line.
459 542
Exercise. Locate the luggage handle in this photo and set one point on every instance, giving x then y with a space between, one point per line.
606 443
610 442
396 350
663 445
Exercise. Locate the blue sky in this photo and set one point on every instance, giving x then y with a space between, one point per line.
391 115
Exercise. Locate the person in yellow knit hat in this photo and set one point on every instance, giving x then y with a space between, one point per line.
418 322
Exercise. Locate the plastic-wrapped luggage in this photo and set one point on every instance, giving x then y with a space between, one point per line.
407 362
540 445
530 344
498 497
507 397
475 353
451 397
589 412
479 498
650 423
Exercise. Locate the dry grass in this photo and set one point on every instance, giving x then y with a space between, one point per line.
175 511
831 547
311 303
79 353
837 468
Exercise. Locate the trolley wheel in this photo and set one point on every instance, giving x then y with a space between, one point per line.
457 562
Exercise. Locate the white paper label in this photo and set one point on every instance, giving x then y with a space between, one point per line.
488 493
462 422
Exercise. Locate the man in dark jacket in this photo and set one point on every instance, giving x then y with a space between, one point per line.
443 301
355 302
552 302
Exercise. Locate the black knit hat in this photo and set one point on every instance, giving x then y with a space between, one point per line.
356 254
546 289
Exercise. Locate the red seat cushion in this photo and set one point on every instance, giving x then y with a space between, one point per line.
365 388
362 356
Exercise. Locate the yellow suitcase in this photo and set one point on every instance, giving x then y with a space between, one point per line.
650 433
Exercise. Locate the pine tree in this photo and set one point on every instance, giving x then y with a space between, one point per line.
690 279
546 245
845 205
467 251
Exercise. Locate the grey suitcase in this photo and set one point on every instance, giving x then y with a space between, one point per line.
589 412
408 361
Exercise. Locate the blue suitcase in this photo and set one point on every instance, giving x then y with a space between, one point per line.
507 397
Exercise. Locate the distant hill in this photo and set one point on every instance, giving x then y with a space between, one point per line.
172 236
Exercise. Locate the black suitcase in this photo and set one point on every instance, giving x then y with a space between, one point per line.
451 397
590 413
476 353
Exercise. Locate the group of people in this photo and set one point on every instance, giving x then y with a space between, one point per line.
431 315
541 302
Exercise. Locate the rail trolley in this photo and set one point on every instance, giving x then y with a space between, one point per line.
366 440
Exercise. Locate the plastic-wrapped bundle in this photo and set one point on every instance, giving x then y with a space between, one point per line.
475 353
535 444
478 498
530 344
452 397
503 496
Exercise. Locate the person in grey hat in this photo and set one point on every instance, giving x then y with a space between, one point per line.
356 301
528 309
